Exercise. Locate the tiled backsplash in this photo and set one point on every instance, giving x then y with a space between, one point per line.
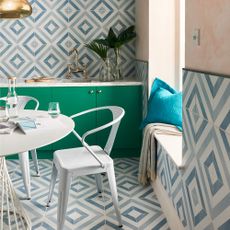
39 45
201 191
142 76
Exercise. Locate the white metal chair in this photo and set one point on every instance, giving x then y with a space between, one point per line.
86 160
24 157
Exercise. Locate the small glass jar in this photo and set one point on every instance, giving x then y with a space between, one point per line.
54 109
106 71
11 98
3 114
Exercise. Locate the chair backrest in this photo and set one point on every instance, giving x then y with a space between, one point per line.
23 101
117 114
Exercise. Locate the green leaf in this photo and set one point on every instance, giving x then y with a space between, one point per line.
101 46
112 38
126 35
102 42
99 49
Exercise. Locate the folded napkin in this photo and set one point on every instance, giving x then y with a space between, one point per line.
7 127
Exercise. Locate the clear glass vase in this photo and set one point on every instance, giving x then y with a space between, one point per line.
106 71
11 98
117 67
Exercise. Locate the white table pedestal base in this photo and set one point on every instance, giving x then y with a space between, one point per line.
12 214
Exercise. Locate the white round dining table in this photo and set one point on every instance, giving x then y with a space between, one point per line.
49 130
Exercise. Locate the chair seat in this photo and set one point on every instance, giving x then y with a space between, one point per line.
80 158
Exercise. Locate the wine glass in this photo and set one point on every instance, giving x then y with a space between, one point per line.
54 109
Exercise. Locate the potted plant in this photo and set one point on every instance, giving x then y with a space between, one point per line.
100 49
101 46
106 68
116 42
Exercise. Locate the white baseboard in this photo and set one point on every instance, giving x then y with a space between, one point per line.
167 206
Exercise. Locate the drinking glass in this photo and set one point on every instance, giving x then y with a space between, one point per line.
3 114
54 109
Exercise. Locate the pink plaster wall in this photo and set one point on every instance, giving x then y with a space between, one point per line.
212 17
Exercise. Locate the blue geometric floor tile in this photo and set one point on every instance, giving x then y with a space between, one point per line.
88 210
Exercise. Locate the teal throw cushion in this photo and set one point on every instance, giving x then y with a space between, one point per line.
164 105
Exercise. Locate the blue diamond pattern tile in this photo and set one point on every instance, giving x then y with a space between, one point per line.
119 26
67 43
51 27
205 204
172 170
76 215
17 61
127 185
4 44
197 125
38 10
213 173
195 197
34 44
51 61
102 10
85 27
17 27
88 211
225 226
66 24
69 10
134 213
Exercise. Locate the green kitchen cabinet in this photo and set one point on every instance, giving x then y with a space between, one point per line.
129 98
42 94
73 100
3 92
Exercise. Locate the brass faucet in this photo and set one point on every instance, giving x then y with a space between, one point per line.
75 67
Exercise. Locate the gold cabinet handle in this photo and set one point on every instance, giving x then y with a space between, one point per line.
99 91
91 91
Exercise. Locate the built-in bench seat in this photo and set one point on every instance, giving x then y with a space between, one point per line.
173 147
169 149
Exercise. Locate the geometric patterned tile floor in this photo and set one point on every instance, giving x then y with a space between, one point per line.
139 206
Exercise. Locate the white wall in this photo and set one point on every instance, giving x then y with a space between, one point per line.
142 29
212 17
159 40
163 41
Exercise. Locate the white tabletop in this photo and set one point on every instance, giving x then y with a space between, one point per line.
49 131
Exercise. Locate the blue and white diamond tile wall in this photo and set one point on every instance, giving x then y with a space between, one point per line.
200 192
142 76
40 44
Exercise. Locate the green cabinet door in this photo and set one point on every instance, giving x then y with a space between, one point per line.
73 100
129 98
3 92
42 94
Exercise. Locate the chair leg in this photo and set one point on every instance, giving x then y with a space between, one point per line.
99 182
63 195
25 167
35 161
52 183
113 189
